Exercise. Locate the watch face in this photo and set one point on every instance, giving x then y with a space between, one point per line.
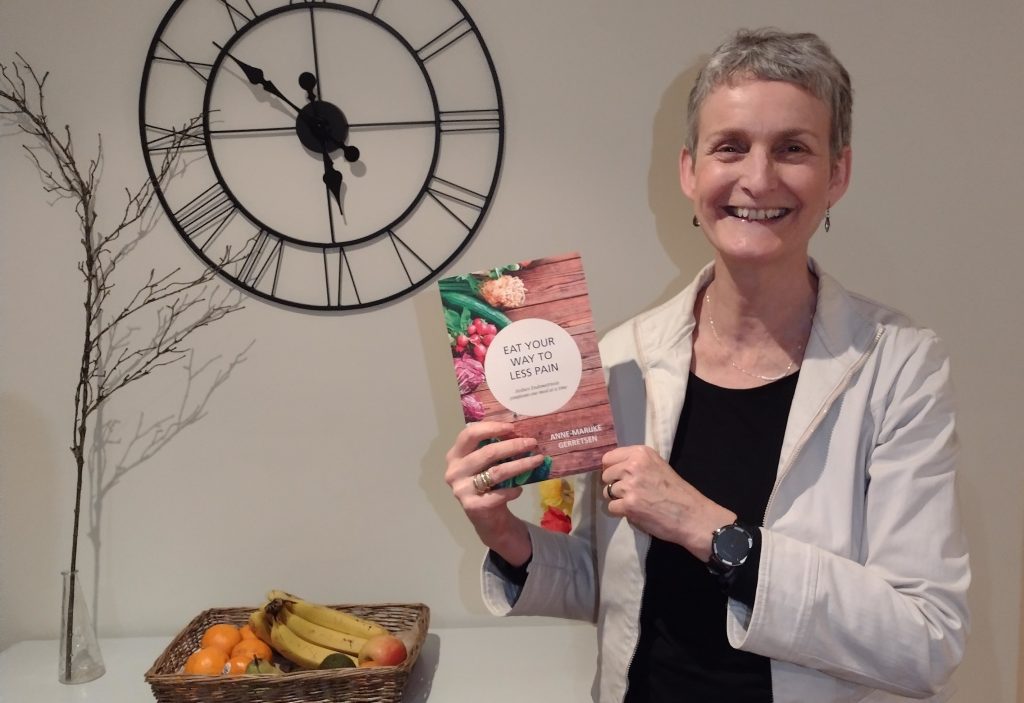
334 155
732 545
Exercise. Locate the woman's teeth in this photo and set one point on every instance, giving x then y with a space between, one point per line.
747 213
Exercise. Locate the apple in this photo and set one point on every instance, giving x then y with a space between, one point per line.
382 650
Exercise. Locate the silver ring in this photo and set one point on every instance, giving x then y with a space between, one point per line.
608 491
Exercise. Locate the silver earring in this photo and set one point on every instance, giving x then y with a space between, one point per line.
696 222
828 220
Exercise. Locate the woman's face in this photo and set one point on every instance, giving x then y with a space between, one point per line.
761 176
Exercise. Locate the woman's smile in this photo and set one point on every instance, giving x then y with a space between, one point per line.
757 214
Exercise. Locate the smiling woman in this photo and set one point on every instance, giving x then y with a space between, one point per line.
783 522
761 176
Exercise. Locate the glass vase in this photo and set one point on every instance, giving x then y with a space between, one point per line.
80 659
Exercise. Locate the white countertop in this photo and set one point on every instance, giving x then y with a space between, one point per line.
499 664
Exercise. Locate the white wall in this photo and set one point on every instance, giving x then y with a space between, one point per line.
318 465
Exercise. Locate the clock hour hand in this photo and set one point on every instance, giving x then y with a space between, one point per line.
256 77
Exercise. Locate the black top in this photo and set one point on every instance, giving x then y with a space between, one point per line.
727 446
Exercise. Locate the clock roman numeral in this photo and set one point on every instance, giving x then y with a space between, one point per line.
199 68
258 259
448 195
395 241
285 129
166 139
207 213
469 120
340 287
336 267
449 121
234 13
443 40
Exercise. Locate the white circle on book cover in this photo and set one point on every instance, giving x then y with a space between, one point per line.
533 367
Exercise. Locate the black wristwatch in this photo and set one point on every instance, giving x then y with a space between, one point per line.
730 547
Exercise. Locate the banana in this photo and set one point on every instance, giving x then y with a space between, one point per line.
337 620
295 649
330 618
317 634
260 625
275 593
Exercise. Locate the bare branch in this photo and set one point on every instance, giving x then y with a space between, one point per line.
172 305
175 323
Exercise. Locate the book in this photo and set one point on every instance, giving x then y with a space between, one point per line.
525 351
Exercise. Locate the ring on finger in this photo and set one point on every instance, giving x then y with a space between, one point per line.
482 482
608 491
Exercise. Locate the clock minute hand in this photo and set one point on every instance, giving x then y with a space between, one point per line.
256 77
332 178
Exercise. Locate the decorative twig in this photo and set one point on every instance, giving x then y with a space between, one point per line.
174 304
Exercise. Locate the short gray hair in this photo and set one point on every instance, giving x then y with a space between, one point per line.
769 54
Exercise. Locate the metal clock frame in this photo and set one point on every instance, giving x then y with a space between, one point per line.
213 208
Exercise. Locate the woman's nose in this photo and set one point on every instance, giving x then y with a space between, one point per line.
758 174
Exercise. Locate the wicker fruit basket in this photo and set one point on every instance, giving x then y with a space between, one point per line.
374 685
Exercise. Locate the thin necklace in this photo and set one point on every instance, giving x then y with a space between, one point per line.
714 331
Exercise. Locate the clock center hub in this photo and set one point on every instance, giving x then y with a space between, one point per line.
321 124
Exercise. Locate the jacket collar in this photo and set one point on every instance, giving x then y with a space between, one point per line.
840 339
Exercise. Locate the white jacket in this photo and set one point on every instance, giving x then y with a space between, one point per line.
863 578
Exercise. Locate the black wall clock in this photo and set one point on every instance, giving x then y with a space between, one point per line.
337 154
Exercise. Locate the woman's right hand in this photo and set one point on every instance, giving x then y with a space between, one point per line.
494 523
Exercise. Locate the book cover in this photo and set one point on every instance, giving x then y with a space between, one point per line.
525 351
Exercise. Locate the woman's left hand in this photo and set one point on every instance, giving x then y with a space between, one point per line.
654 498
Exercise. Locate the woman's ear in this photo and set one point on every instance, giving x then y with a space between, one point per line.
686 176
840 175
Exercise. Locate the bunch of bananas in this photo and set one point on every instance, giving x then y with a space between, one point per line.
307 633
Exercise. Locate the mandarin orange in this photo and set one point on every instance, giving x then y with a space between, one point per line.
252 648
208 661
237 664
223 636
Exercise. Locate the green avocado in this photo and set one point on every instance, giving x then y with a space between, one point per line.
337 661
